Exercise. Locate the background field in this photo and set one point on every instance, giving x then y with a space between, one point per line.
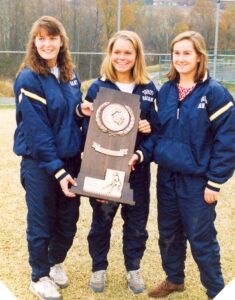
14 269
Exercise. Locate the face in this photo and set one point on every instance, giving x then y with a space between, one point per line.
185 58
123 57
48 47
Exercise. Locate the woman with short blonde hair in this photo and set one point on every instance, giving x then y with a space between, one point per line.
200 48
194 147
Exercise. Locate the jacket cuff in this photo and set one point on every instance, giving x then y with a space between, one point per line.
140 155
214 186
79 111
60 174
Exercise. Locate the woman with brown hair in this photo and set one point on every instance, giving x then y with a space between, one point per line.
194 147
49 139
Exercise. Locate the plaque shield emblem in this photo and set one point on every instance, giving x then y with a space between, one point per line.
114 118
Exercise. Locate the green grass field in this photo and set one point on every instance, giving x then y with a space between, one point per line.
14 268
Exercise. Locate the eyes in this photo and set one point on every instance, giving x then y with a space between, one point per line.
119 52
50 38
183 53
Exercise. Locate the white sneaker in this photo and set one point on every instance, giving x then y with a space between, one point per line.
45 289
135 281
58 275
97 281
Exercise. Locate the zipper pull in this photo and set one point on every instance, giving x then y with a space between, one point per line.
178 113
178 110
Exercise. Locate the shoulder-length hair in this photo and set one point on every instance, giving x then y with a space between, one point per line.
139 71
200 48
35 62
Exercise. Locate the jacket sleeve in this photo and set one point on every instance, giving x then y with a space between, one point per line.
221 111
78 112
90 96
145 149
36 126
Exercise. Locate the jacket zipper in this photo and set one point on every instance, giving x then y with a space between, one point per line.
178 110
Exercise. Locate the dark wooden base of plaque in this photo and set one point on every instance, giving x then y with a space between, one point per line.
109 145
126 197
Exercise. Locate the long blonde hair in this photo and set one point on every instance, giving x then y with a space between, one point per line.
35 62
200 48
139 71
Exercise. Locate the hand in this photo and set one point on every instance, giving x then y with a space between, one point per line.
64 183
144 126
87 108
133 161
210 196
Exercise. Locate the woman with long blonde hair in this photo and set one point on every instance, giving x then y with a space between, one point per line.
124 69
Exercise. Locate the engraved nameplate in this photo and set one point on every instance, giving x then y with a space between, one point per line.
106 151
111 186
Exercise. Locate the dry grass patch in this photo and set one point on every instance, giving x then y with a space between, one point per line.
6 88
85 85
15 272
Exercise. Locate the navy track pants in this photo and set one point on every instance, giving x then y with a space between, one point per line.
134 227
184 215
51 218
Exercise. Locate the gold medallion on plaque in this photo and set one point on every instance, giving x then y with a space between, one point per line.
114 118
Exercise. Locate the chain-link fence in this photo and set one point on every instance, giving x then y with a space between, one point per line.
225 67
88 64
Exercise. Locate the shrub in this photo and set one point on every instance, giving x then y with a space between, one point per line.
6 89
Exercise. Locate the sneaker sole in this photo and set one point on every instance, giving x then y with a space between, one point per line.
96 290
47 298
61 286
135 291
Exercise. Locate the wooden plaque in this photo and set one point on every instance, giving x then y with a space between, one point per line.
109 146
